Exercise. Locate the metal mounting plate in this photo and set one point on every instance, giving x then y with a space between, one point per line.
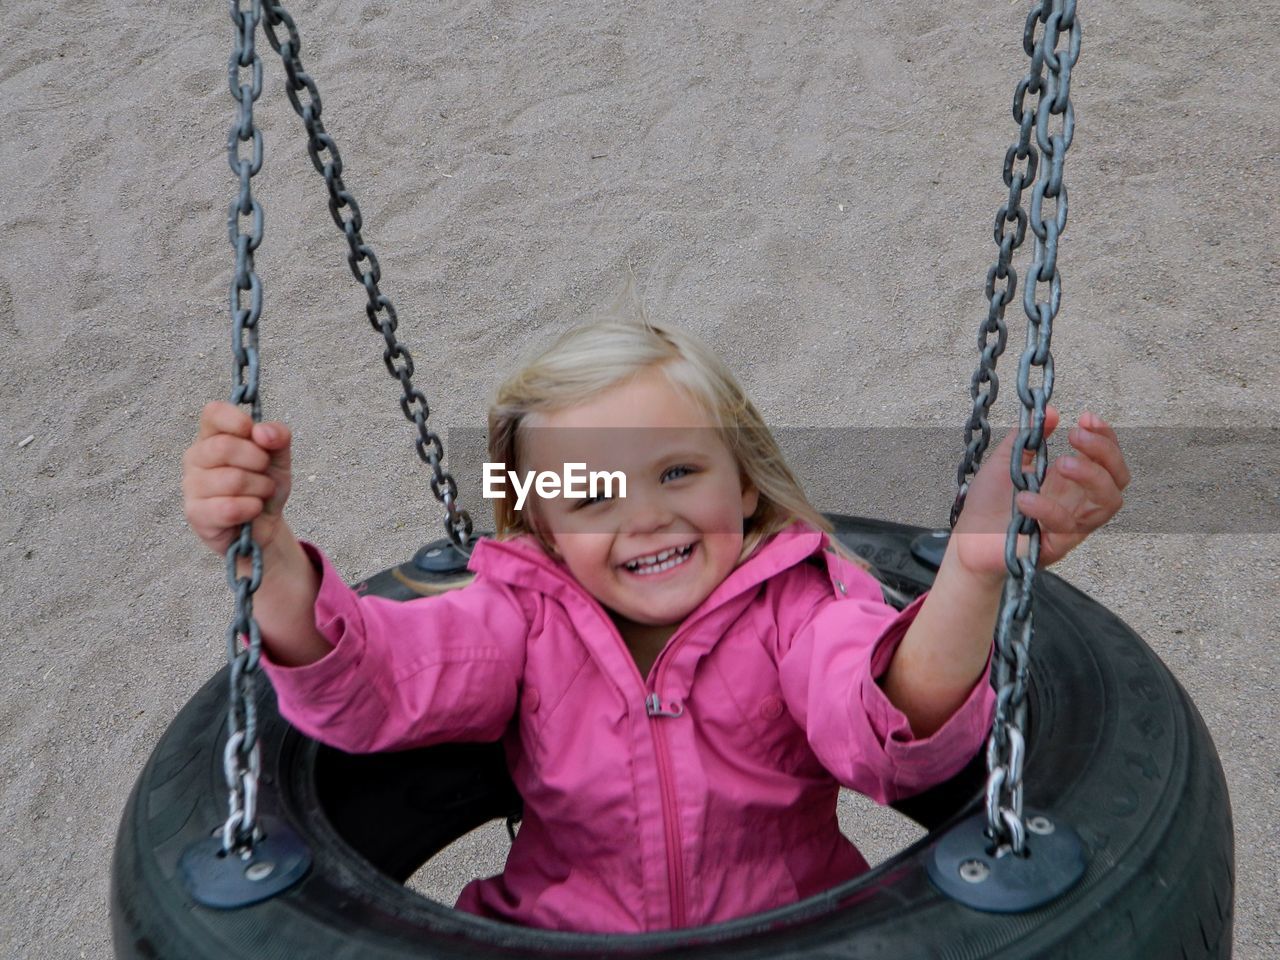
964 868
929 547
441 556
226 881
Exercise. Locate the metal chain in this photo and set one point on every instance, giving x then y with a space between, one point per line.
364 267
242 757
984 386
1014 630
241 761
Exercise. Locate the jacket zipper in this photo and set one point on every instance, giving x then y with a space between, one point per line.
656 710
670 813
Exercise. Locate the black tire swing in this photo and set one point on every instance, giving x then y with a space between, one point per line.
1130 849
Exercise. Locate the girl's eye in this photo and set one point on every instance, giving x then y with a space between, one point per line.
675 473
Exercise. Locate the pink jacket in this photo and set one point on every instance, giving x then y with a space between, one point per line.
702 792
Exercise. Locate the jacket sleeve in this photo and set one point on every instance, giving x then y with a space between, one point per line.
407 674
830 675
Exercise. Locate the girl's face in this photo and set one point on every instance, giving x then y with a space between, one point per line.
654 555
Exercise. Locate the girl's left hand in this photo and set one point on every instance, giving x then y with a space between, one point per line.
1080 493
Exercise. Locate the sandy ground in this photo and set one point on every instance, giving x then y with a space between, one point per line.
809 187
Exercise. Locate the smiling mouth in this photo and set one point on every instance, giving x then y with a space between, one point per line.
661 561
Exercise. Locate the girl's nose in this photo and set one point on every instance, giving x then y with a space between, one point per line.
645 513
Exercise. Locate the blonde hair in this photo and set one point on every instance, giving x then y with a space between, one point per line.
589 359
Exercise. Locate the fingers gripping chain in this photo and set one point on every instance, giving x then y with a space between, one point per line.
1048 79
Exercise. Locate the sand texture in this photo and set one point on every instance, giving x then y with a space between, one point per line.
809 187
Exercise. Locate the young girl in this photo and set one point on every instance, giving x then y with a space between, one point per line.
682 675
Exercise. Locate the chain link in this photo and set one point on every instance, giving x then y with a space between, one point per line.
242 761
1048 79
304 95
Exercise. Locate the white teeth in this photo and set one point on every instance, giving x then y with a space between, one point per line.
659 562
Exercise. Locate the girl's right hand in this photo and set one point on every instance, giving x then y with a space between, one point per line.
236 471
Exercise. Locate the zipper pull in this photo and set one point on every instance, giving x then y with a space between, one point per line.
653 706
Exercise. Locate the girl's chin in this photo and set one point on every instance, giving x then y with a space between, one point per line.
658 605
659 611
